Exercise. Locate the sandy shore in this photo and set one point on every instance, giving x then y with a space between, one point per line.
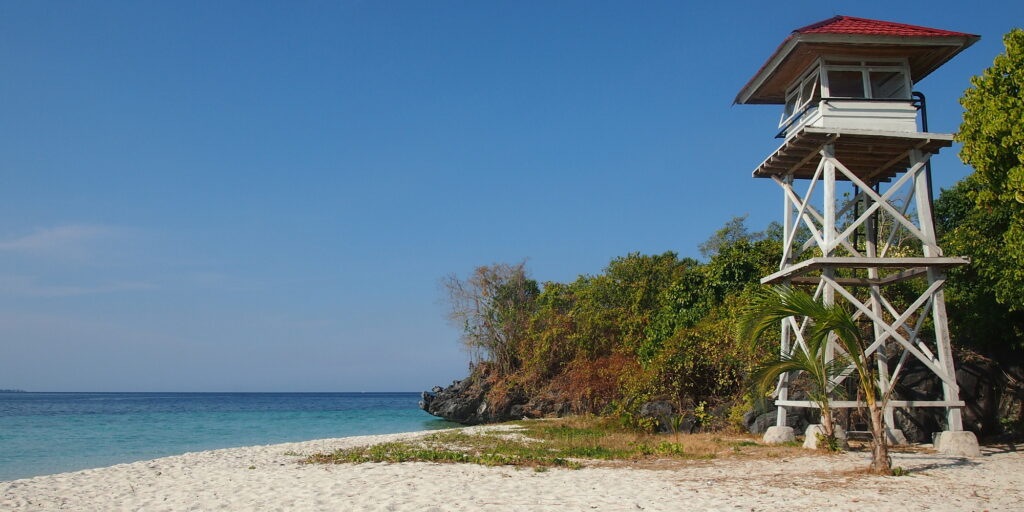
223 480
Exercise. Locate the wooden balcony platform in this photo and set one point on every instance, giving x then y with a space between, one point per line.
872 155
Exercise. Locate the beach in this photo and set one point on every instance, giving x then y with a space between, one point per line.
271 478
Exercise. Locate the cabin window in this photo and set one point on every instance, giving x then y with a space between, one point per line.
800 95
888 84
866 79
846 84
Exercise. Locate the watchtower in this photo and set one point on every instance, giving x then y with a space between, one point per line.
850 115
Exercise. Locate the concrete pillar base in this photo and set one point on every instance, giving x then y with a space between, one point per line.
895 436
779 435
961 443
811 441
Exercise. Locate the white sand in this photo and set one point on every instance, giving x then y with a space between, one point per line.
222 480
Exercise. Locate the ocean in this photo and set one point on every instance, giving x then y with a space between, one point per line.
45 433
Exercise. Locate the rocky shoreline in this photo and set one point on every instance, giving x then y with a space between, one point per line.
992 393
467 401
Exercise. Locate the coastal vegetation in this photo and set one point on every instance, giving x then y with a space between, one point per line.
650 327
983 215
570 443
663 328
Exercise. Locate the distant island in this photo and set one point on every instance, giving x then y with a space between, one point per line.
13 391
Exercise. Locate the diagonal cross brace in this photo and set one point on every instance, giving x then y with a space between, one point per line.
883 202
939 372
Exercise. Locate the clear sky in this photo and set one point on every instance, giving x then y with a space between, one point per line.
263 196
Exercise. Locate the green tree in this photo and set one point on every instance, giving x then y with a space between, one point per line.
992 134
836 323
763 314
977 317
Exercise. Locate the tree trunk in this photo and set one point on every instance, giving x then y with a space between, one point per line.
827 423
829 430
880 462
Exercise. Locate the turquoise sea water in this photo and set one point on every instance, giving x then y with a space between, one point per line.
44 433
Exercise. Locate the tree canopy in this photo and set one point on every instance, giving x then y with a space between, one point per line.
648 326
991 229
982 216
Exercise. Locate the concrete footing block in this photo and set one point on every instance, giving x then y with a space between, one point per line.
962 443
895 437
811 437
779 435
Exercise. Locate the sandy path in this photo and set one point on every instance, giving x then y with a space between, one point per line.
222 480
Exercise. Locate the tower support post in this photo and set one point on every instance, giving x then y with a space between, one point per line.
950 389
839 263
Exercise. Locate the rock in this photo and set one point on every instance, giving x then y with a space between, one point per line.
918 425
661 411
779 435
984 387
459 402
796 418
811 441
987 386
465 401
750 416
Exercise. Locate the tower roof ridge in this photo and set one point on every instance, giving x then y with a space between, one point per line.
853 25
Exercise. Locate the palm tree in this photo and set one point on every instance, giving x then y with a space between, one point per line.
766 311
827 322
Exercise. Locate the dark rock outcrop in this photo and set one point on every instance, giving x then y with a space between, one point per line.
470 401
990 391
661 412
799 419
462 402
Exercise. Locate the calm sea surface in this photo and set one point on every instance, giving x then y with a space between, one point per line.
43 433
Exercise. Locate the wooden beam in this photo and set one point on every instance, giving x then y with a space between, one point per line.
809 265
850 404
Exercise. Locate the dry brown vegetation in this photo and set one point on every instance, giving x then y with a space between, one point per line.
572 443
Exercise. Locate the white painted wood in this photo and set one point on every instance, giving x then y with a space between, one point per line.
950 389
782 389
849 404
901 319
872 208
888 117
839 132
810 217
937 370
829 230
894 125
814 264
903 211
882 201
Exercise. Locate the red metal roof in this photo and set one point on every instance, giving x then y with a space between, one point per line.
851 25
847 30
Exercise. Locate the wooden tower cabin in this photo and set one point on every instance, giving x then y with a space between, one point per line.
851 120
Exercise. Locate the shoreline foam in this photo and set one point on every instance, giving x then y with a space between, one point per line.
222 480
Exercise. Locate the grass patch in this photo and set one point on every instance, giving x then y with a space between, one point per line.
560 443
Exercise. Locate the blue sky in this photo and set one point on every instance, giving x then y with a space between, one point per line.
263 196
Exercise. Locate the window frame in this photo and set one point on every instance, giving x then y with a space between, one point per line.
865 66
795 92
